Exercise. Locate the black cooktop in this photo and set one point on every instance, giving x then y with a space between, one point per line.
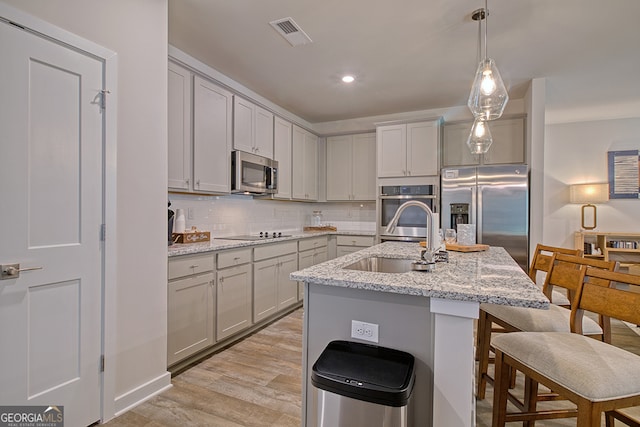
261 236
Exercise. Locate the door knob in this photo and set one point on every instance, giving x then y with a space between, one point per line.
12 271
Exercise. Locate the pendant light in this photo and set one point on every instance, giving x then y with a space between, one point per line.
479 139
488 95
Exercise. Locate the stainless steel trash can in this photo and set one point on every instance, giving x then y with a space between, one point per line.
363 385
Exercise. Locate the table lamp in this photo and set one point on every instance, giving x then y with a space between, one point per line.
587 195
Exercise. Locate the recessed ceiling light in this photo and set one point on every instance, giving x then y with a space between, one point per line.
348 79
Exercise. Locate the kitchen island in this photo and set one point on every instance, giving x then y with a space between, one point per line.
428 314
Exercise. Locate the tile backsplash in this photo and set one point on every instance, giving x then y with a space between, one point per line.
240 214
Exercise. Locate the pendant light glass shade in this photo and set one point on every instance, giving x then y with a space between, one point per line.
479 139
488 95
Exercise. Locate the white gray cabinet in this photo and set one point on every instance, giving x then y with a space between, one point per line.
351 167
347 244
212 131
508 143
179 127
190 306
234 283
409 149
311 251
272 289
282 138
252 128
304 165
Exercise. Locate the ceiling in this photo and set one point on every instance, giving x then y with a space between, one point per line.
411 55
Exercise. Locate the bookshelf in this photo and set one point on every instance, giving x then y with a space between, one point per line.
621 247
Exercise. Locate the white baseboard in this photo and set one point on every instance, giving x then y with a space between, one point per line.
144 392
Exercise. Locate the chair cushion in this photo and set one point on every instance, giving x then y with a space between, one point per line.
555 319
590 368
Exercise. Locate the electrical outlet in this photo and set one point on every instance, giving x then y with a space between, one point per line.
190 213
364 331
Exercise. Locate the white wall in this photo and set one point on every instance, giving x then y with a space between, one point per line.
577 153
138 32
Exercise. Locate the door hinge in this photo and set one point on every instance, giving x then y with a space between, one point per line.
103 232
103 98
102 363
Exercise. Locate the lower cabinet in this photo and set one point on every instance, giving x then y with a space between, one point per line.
190 306
347 244
311 252
233 313
272 289
214 296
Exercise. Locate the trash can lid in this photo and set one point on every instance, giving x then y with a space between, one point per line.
365 372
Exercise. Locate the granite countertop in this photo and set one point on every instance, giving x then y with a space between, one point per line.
220 243
490 276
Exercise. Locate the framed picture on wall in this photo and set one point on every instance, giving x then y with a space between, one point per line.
624 174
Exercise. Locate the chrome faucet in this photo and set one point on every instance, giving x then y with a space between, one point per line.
430 246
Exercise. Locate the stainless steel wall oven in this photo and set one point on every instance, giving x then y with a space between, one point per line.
412 224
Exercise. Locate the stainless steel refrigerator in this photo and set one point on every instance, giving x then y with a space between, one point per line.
496 199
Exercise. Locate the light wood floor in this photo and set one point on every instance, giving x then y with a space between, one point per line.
257 382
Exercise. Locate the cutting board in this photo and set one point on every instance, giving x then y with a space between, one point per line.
462 248
466 248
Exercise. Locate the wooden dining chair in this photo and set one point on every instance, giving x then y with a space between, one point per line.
596 376
541 263
564 272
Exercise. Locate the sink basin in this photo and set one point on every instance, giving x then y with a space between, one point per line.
381 265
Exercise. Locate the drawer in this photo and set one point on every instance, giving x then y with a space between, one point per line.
364 241
235 257
273 250
189 264
311 243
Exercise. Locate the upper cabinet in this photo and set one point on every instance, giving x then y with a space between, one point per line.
212 127
304 184
200 131
179 127
408 149
252 128
508 143
282 136
351 167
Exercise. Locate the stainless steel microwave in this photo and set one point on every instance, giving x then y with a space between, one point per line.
253 174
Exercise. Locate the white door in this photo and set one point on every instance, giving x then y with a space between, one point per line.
51 140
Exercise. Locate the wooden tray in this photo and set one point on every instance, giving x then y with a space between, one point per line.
321 228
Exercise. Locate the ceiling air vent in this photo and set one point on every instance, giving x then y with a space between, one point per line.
288 29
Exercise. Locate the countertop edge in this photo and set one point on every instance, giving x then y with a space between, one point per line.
220 243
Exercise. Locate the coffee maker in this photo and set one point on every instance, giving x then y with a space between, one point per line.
459 214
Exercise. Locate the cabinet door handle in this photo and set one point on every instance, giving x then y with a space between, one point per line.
194 266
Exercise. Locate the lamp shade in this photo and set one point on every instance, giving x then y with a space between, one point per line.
488 95
480 138
589 193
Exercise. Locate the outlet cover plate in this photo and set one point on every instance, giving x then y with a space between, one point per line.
364 331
